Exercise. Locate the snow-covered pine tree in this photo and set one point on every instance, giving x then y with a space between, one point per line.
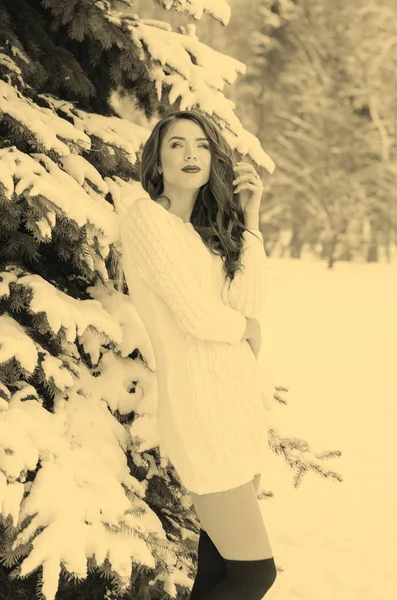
88 508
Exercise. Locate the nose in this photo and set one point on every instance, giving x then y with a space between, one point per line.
189 152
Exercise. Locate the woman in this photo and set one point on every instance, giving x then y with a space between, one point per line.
198 280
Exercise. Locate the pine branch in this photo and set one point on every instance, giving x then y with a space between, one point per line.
301 459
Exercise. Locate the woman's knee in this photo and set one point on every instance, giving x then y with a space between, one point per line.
269 573
266 574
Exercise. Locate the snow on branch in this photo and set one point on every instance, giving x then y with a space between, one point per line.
47 128
122 133
218 9
176 50
38 175
55 133
78 493
109 317
61 310
79 505
14 342
113 131
197 74
9 69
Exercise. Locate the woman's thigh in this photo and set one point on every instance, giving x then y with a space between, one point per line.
234 522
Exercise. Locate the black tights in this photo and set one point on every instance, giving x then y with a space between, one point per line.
219 578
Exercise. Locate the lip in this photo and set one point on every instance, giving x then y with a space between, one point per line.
191 169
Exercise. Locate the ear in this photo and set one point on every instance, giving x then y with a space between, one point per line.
160 170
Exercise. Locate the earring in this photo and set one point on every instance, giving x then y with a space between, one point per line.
160 170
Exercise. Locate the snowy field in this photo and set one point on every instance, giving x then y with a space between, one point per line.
331 336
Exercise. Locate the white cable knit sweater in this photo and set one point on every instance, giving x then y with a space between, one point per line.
211 418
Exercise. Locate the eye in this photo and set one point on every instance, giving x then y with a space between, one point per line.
206 146
175 144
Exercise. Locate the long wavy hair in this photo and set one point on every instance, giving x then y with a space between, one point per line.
217 215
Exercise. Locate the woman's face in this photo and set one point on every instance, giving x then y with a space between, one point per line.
185 145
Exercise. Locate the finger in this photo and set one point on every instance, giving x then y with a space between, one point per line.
247 177
244 163
246 186
245 167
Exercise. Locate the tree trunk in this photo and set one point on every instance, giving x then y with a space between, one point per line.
372 255
373 249
332 244
295 245
331 261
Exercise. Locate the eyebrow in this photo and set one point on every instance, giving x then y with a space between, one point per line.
177 137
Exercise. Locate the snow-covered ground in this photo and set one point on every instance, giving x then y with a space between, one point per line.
332 336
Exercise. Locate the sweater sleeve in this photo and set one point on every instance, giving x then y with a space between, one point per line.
160 250
246 293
